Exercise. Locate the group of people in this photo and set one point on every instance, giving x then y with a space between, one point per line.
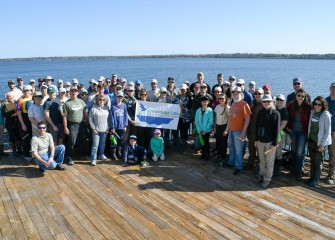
43 118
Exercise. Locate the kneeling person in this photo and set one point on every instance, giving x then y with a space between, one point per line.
44 152
134 153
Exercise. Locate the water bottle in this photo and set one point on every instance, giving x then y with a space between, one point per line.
201 140
194 132
113 140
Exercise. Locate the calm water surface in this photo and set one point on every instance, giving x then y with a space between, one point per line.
317 74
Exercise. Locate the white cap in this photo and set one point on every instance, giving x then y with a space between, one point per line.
75 80
183 86
62 90
60 81
237 89
27 87
32 81
154 81
67 84
240 81
163 89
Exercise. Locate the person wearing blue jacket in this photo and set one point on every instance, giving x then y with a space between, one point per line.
133 153
204 121
118 123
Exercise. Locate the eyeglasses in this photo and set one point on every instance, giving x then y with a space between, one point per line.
256 93
239 84
221 99
296 83
20 80
226 85
42 128
318 104
143 94
279 100
300 96
101 100
171 82
119 97
203 87
267 102
130 90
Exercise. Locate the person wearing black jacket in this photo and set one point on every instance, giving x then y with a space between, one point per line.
267 127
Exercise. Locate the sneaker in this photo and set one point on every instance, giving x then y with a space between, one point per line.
60 167
237 171
71 162
93 163
28 159
41 169
330 180
265 184
103 157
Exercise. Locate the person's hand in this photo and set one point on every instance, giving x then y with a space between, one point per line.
225 133
112 131
256 144
95 132
321 149
24 127
66 131
132 122
125 129
55 128
242 136
273 148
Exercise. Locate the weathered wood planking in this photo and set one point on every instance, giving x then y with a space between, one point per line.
180 198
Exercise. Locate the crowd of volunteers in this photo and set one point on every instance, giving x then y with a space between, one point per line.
48 121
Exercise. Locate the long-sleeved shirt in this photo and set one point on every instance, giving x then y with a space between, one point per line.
267 126
118 117
98 118
157 145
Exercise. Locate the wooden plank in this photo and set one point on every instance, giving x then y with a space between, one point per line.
130 205
189 224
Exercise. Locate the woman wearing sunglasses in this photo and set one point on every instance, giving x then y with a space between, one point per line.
297 127
319 136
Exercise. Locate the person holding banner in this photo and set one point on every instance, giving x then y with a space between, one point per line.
144 133
204 120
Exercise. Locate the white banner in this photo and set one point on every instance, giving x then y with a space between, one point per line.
157 115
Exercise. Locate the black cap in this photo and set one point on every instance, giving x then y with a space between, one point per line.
170 78
11 81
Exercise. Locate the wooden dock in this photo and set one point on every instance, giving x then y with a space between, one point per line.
180 198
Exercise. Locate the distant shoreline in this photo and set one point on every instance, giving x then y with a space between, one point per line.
221 55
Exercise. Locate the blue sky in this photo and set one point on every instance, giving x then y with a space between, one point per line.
144 27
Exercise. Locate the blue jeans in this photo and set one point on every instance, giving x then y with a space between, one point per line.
298 151
58 158
99 141
236 147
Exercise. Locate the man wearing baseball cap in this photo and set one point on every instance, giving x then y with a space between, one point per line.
298 84
239 118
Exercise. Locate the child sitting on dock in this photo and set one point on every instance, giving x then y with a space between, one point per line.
134 153
157 146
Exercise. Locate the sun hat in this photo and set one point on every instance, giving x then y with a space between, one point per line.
237 89
260 90
267 98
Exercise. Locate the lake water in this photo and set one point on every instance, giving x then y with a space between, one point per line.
317 74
